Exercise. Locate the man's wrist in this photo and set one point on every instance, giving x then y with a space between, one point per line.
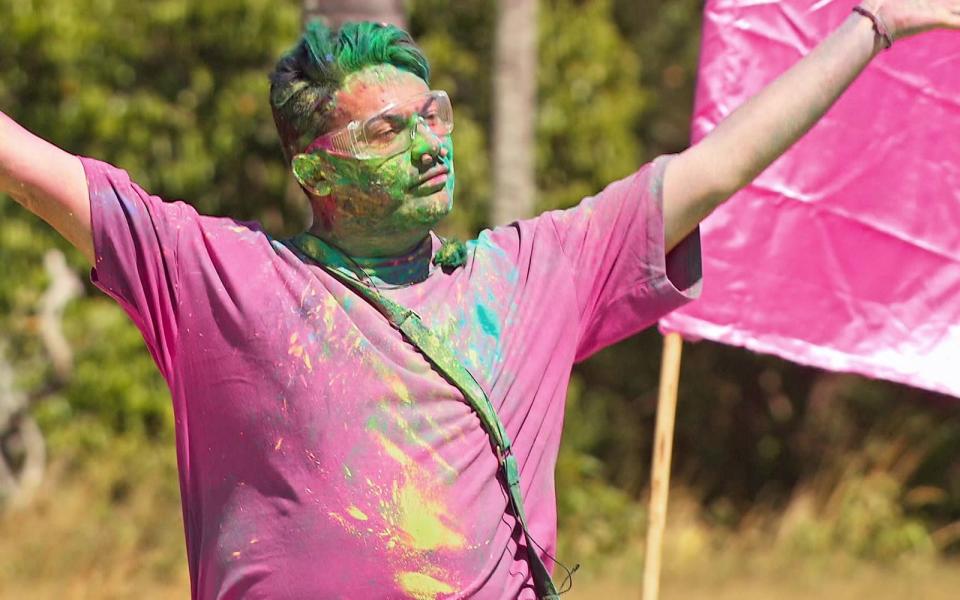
870 13
863 28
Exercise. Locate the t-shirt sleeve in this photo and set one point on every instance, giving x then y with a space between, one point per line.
614 243
135 241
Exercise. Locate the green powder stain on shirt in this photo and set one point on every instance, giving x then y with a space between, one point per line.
376 423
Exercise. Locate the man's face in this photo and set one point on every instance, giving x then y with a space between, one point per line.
386 199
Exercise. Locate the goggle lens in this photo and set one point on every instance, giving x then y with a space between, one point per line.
392 130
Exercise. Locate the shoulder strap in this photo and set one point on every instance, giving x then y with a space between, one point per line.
444 360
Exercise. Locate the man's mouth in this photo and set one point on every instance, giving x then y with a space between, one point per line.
434 177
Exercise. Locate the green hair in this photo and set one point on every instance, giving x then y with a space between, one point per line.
306 78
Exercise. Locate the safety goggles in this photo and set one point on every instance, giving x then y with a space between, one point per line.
390 131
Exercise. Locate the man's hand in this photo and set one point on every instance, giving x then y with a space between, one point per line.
909 17
758 132
47 181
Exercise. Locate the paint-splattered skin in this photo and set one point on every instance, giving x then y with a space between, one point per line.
378 207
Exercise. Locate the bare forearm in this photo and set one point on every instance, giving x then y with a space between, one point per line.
769 123
9 131
46 181
764 127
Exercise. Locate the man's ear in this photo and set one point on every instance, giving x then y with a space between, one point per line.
310 173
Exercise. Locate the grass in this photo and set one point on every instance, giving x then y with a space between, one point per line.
933 582
115 532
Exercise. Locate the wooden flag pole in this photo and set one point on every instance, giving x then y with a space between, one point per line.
660 468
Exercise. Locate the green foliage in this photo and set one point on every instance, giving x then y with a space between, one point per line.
598 518
130 400
111 526
175 91
866 521
589 105
871 523
666 35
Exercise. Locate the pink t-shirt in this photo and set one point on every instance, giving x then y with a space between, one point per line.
320 455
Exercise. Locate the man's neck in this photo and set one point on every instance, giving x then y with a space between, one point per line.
411 267
360 241
381 262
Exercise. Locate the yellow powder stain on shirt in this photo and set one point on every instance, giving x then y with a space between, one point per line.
390 378
329 309
420 521
298 351
473 357
347 526
356 513
398 388
394 452
421 586
411 433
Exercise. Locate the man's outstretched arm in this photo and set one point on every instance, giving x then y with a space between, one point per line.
757 133
47 181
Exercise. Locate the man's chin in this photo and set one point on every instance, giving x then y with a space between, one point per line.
428 209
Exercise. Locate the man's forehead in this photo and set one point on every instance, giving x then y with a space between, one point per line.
374 88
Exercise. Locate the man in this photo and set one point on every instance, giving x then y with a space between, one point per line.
321 453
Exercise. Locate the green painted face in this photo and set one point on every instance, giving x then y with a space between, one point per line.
379 207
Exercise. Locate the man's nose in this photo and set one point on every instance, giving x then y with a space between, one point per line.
427 145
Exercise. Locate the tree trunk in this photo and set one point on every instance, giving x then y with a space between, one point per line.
515 90
337 12
23 454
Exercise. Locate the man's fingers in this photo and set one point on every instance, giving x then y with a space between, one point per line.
953 16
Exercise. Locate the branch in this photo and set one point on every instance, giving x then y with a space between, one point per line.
64 287
23 452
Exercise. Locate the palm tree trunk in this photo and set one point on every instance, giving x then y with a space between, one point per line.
515 89
337 12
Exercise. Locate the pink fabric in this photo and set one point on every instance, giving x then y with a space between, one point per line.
320 455
845 254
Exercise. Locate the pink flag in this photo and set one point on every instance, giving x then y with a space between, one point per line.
845 254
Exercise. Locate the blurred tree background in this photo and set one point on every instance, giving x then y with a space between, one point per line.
773 460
